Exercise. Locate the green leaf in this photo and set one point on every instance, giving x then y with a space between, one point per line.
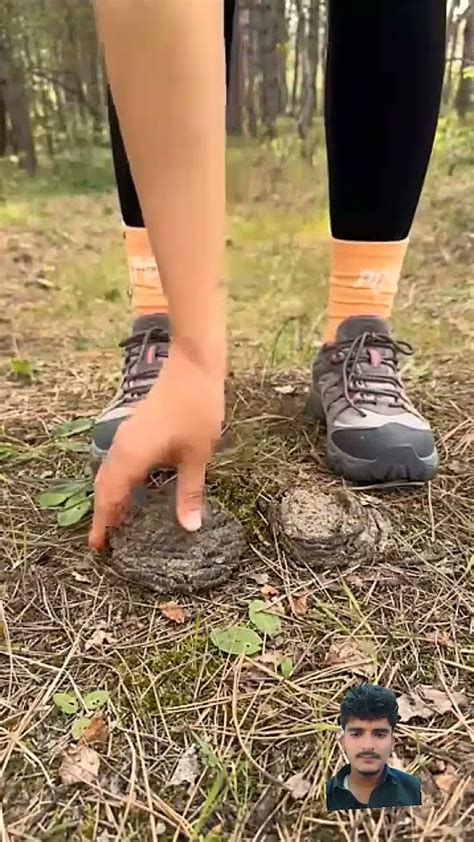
65 702
208 755
79 726
286 667
21 368
56 497
261 617
95 700
73 428
73 514
237 640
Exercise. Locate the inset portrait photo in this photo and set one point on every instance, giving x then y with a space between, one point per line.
368 717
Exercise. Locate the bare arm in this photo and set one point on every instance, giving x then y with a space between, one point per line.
165 63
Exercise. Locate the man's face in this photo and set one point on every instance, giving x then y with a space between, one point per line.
368 744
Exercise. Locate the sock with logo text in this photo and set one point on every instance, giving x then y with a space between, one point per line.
363 280
145 289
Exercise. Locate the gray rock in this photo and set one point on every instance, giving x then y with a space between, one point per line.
152 550
323 529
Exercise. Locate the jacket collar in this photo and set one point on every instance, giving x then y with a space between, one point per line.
387 775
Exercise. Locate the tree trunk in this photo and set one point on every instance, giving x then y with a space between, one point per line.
236 95
249 33
452 30
268 65
311 61
14 93
3 124
464 96
299 38
282 47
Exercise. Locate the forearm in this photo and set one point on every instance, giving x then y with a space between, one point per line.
165 63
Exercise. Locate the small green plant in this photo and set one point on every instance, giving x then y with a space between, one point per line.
22 370
69 705
71 499
261 616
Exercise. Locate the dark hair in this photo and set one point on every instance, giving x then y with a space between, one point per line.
369 701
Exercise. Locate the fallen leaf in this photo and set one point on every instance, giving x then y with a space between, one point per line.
259 578
286 667
79 726
440 639
439 699
79 765
446 782
263 619
65 702
172 611
273 657
410 705
299 604
95 732
237 640
160 829
79 577
187 768
99 639
353 656
298 785
96 699
268 590
286 389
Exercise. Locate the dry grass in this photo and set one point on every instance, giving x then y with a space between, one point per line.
169 687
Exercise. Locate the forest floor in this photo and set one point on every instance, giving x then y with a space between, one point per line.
68 625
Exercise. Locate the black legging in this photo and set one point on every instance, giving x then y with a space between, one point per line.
383 89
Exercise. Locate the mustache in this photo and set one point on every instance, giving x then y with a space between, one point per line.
372 756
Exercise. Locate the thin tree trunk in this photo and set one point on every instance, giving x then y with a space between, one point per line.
268 65
299 38
12 81
281 47
464 98
452 31
3 124
311 62
250 47
235 101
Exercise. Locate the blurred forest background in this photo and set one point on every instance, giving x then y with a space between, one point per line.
53 87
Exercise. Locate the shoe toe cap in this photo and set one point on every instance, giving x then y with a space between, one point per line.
369 443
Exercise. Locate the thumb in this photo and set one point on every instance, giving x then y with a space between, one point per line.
189 494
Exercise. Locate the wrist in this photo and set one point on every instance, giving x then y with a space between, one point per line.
210 356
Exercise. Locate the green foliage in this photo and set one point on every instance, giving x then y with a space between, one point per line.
237 640
79 726
96 700
71 499
261 616
73 428
22 369
66 703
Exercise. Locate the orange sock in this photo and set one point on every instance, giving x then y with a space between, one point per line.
145 285
364 280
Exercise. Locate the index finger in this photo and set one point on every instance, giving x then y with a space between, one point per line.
111 499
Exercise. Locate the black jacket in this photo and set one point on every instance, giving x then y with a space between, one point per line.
396 789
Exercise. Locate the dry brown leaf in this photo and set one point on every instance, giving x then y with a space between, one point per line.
172 611
298 786
187 768
268 590
410 705
439 699
96 732
440 639
79 765
446 782
353 656
99 639
300 604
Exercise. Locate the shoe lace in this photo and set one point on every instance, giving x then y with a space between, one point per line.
136 384
357 381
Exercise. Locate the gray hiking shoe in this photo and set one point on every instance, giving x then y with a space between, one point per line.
374 433
144 352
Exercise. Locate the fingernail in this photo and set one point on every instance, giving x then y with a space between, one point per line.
192 520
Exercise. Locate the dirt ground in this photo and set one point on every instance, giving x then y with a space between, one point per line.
69 625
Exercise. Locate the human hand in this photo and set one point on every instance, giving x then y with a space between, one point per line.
176 425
